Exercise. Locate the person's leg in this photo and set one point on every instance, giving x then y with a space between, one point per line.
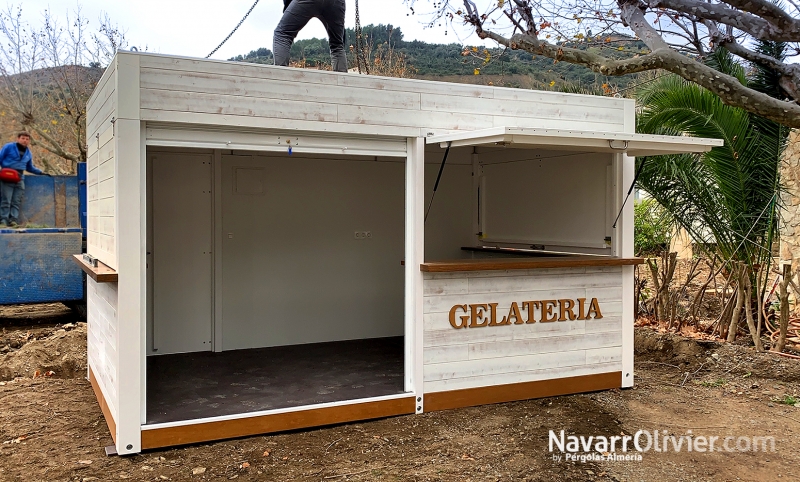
332 17
6 191
294 19
16 202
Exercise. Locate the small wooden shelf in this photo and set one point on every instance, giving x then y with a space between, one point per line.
101 273
526 263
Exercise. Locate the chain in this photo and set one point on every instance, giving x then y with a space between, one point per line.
234 29
360 59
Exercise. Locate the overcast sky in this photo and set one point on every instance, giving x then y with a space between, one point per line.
194 28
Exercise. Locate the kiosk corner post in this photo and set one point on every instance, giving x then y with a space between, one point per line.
414 256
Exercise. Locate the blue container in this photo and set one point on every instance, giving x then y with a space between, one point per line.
36 266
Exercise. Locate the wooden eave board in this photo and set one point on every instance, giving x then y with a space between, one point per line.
576 140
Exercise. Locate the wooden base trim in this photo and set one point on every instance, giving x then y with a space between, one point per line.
471 397
112 425
281 422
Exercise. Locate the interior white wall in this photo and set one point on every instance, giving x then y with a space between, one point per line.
293 271
556 199
449 223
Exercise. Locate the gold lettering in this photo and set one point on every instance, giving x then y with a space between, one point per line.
513 312
493 315
594 307
477 312
530 306
581 308
464 318
547 310
565 308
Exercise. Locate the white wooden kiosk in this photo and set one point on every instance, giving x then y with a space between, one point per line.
265 263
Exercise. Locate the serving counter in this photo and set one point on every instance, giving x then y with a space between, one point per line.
510 329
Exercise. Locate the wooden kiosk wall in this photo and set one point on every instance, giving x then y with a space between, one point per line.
156 100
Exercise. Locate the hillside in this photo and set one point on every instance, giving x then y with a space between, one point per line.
446 62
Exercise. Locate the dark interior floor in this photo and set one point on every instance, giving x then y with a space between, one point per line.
198 385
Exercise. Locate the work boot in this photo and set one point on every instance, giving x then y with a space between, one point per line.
13 224
3 224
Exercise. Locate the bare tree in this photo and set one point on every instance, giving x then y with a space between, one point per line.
677 34
47 74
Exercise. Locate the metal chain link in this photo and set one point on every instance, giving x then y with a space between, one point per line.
360 59
234 29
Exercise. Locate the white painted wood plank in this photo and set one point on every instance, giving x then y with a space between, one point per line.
442 334
549 344
580 100
447 286
443 304
519 377
604 355
290 90
238 69
93 160
219 105
106 188
106 136
446 353
612 322
102 91
496 366
104 207
355 114
92 194
540 108
102 116
105 170
391 84
535 283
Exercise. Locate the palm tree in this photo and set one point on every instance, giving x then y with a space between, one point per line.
726 199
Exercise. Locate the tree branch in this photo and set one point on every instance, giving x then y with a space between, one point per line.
786 31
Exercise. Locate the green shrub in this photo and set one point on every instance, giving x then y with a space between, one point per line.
652 227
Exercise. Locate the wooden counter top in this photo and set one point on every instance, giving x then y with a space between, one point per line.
101 273
500 264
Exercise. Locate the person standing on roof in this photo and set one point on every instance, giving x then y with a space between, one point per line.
296 14
16 156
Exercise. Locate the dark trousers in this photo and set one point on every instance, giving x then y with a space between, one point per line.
10 200
297 15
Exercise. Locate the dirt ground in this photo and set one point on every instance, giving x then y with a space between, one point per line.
51 428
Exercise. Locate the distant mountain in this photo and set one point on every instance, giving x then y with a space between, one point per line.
513 68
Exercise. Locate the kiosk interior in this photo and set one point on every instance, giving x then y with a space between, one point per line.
272 255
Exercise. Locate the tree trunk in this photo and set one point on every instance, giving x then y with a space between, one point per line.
748 309
784 322
737 310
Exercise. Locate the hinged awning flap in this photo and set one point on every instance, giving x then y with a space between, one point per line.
576 140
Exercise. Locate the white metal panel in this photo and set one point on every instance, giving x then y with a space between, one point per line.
182 255
598 140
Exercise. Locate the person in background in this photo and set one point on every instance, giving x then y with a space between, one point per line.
17 156
296 14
